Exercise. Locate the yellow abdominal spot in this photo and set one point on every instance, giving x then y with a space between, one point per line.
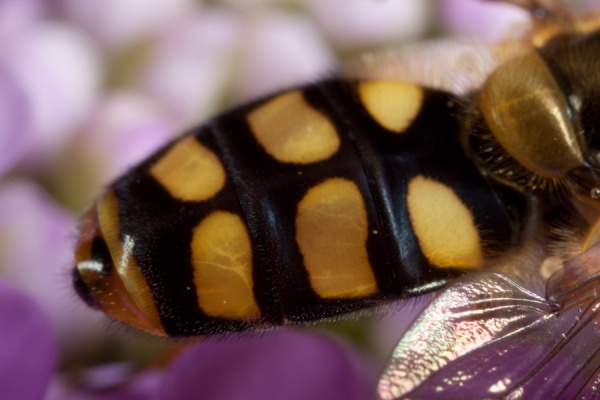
332 231
292 131
394 105
443 225
222 261
189 171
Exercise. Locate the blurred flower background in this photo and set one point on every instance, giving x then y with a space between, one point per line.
89 88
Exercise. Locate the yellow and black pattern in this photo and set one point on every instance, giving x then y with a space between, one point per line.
311 203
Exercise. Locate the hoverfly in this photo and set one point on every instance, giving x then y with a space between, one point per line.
358 191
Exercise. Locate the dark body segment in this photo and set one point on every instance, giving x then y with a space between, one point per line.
264 193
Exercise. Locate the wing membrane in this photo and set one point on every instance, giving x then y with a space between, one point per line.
486 337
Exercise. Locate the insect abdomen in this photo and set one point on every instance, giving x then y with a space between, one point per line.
312 203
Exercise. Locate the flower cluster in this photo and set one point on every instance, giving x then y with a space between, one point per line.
89 88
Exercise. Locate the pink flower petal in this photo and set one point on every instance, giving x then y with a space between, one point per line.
117 24
189 67
282 51
355 24
483 20
60 74
124 129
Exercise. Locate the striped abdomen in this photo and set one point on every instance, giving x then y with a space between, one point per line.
311 203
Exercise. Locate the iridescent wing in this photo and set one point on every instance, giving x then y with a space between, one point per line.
486 337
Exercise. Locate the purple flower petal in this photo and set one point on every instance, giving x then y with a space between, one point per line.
17 17
28 353
279 366
37 247
15 134
108 382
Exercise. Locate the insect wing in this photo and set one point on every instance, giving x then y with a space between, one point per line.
486 337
